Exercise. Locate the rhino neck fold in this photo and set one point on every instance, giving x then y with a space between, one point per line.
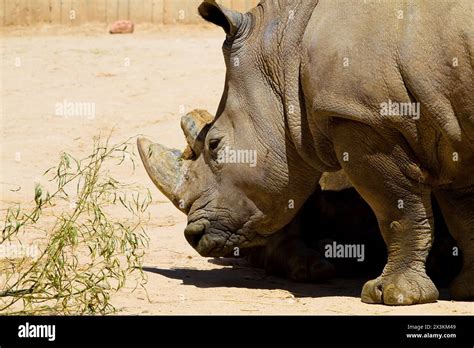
293 18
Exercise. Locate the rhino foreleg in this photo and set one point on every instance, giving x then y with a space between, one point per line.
381 169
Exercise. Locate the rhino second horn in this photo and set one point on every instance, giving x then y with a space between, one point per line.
164 166
195 125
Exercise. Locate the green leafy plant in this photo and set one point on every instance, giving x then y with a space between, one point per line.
88 251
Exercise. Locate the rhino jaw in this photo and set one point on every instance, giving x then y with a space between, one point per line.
164 167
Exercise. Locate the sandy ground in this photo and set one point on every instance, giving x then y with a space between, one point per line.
170 70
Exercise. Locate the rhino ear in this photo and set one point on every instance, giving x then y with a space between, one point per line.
229 20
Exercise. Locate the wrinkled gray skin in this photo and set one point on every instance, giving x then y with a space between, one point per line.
304 86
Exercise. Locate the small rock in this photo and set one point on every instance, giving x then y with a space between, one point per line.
122 27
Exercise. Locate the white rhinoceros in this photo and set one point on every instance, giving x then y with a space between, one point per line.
382 89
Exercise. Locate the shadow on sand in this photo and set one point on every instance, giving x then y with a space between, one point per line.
245 277
251 278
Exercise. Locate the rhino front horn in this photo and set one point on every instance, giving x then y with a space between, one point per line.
195 125
164 166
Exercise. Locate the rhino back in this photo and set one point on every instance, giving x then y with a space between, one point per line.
361 56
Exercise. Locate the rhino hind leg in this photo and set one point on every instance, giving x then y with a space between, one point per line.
403 209
457 208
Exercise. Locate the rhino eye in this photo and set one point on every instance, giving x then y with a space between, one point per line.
213 144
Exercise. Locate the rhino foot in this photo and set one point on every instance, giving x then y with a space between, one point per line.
400 289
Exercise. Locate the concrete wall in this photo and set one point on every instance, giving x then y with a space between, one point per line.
75 12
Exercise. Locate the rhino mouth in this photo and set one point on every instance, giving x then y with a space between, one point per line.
213 239
207 240
195 232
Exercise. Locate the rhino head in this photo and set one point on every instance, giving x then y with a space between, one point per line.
241 178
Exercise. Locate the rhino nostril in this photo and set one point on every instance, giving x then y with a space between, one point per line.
194 233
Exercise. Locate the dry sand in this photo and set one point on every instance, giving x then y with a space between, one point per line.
171 69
